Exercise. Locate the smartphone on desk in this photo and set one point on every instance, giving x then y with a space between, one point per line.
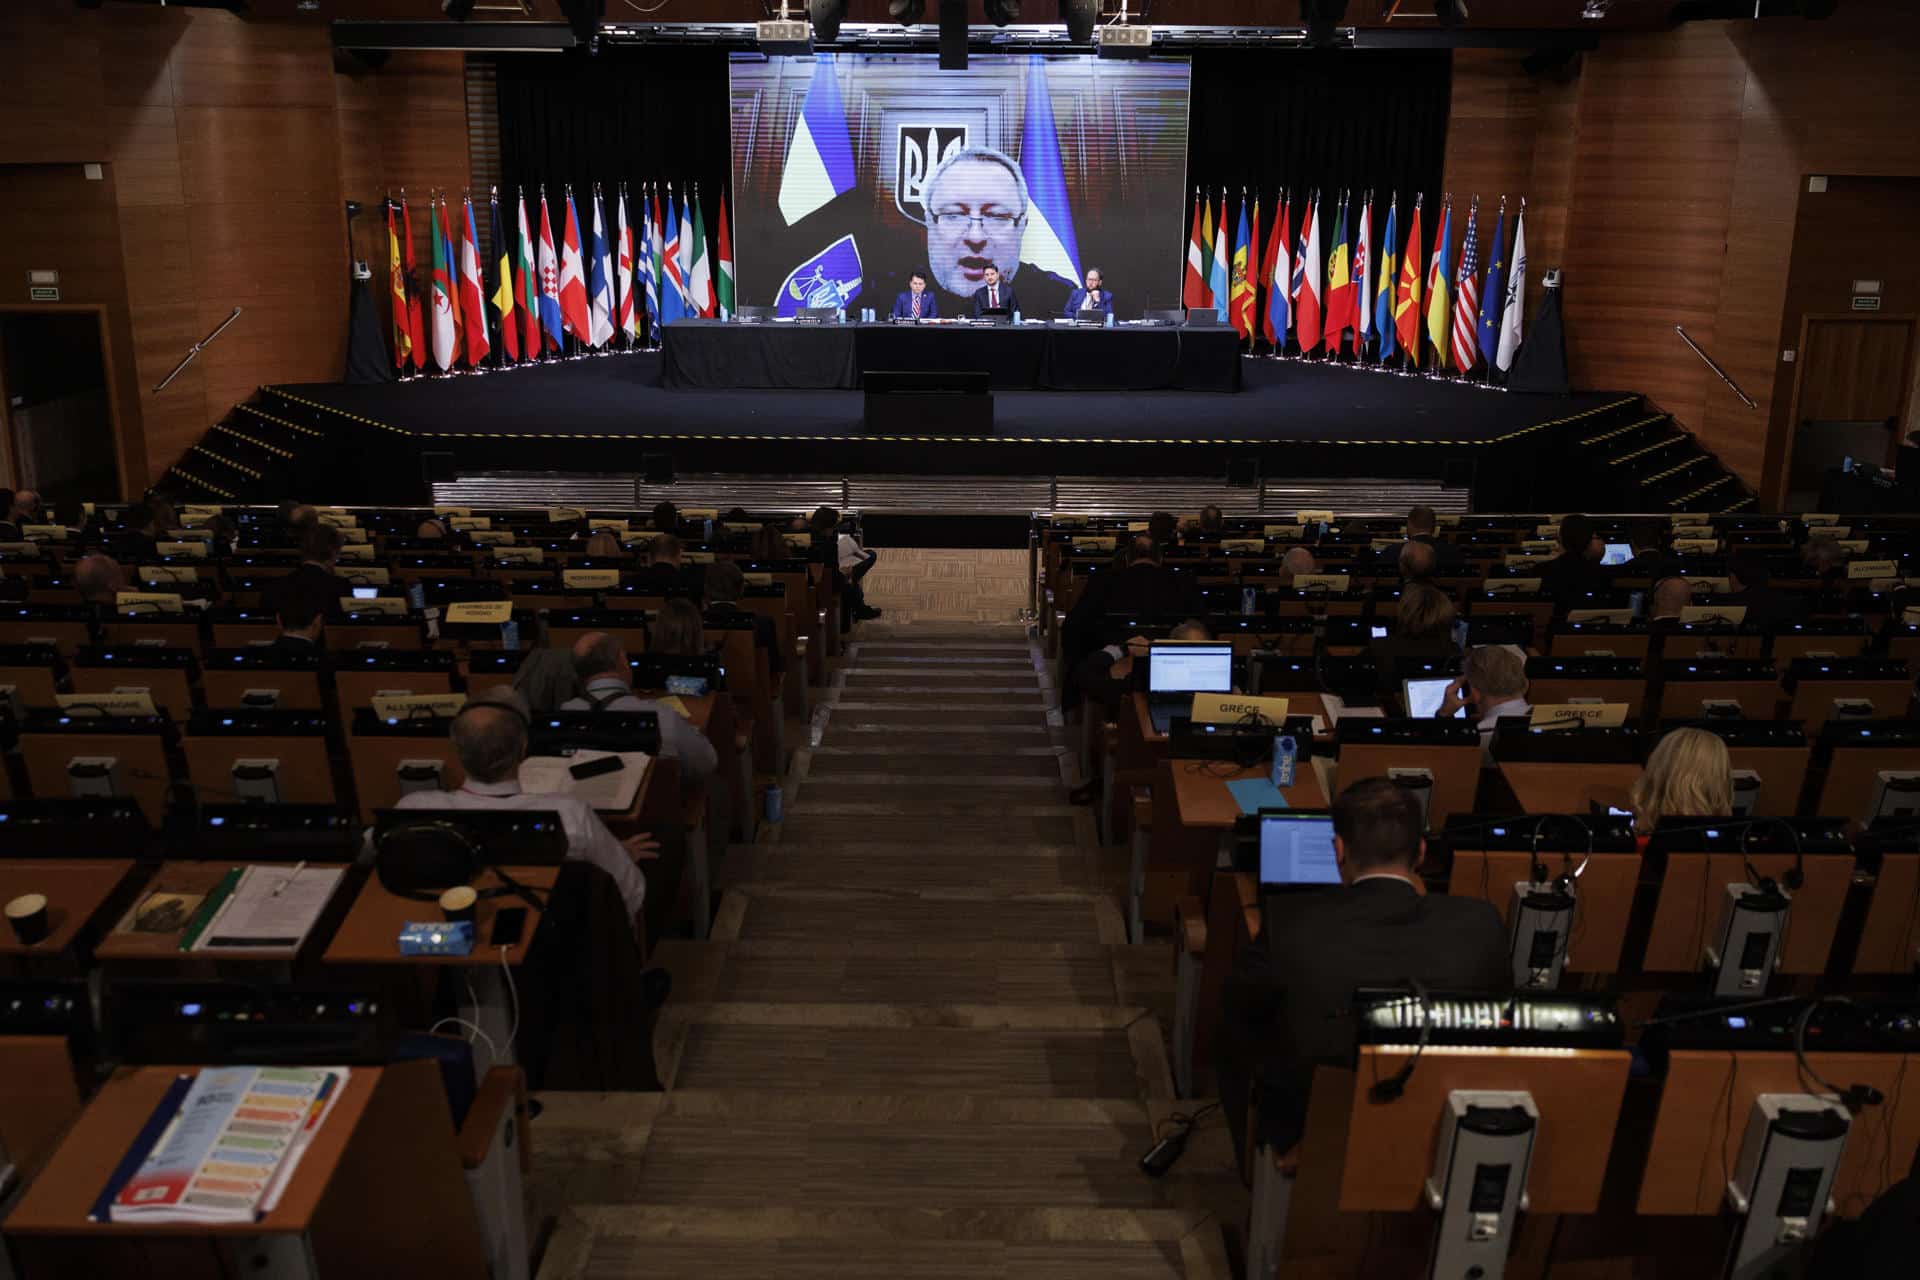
509 923
595 767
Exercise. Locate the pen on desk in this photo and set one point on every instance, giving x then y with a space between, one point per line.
291 876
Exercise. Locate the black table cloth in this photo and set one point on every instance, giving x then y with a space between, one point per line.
715 355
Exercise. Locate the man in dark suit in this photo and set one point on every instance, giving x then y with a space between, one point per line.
1288 1006
139 537
1767 609
1422 526
315 578
1576 571
1092 298
916 302
994 295
1143 585
302 614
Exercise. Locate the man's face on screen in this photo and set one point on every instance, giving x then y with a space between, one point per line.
977 218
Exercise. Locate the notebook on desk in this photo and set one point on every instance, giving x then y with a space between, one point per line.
1176 671
611 792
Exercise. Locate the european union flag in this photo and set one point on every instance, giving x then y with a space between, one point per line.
1048 242
830 278
1493 295
820 154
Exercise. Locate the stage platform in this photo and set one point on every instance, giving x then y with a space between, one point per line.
1292 418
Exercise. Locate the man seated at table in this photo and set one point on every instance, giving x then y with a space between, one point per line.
916 302
606 680
1106 677
1297 562
1492 683
99 579
1422 527
1288 1005
667 570
725 584
1767 608
1670 596
994 296
319 558
1092 298
1418 560
1569 576
302 614
490 738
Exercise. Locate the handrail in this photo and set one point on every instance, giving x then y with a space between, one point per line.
187 359
1714 365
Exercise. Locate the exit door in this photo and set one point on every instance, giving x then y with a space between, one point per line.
1855 377
58 419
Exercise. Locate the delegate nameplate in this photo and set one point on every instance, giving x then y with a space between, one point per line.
1595 715
1232 708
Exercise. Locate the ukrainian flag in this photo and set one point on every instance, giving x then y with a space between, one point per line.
1048 243
820 154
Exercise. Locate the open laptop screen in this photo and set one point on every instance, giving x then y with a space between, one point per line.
1424 697
1190 668
1297 848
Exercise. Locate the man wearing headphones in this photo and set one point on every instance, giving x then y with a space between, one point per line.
1289 1004
490 738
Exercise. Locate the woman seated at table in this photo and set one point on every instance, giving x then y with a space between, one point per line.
1690 774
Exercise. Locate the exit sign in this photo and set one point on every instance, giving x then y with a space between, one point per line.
1866 302
43 293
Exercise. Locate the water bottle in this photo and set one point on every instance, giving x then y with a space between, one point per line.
706 529
1016 317
1108 322
510 634
840 315
775 804
1247 595
1283 753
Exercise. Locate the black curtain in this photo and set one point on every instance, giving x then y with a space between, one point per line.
1262 119
633 115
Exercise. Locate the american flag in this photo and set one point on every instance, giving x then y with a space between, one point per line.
1466 299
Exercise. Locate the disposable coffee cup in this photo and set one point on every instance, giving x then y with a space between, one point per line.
28 916
457 903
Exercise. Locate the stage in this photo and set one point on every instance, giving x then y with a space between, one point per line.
1291 418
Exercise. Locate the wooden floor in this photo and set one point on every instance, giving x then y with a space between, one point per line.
917 1044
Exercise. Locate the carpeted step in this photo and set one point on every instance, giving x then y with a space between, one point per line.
798 914
1000 868
1008 1051
945 971
961 830
934 758
614 1242
962 715
1040 795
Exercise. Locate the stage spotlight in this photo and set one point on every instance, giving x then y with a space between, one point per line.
1322 19
1001 12
1080 15
458 10
826 15
907 12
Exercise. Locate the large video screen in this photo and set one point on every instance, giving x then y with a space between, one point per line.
851 171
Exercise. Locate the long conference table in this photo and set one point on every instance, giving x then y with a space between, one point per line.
715 354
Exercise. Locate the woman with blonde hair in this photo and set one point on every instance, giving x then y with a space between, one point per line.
677 629
604 545
1422 628
1688 774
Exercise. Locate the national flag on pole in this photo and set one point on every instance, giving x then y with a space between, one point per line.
1308 311
1362 261
1193 291
699 264
820 154
416 324
626 317
1240 288
526 284
1383 293
1406 303
673 289
1439 274
1516 294
397 285
657 288
723 278
1492 291
473 291
683 258
1205 261
444 352
1341 313
503 295
453 267
646 309
550 317
1466 295
1217 277
1048 241
1276 272
573 278
599 280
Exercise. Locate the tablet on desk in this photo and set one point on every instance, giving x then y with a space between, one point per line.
1425 696
1617 553
1296 848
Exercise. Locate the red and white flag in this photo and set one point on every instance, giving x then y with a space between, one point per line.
549 281
573 279
1193 293
473 296
1362 276
1466 298
624 319
1307 303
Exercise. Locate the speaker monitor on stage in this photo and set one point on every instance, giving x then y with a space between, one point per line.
932 402
754 315
1174 316
1204 318
656 469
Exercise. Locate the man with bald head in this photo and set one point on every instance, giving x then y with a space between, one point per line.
99 580
1417 561
606 681
23 510
1670 596
1297 561
490 738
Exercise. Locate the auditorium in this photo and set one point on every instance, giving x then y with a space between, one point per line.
1074 639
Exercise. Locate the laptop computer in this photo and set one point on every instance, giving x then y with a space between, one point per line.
1296 849
1424 697
1177 671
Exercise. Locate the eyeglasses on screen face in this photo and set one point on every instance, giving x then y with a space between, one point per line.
993 220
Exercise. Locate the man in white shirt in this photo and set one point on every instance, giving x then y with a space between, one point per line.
606 679
1492 683
852 561
490 737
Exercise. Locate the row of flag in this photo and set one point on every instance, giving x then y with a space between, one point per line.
594 288
1324 295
